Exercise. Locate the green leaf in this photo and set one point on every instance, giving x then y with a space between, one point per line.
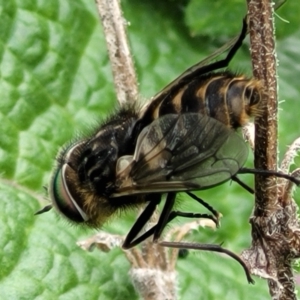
56 84
287 19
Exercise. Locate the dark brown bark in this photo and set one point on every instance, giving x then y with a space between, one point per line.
275 227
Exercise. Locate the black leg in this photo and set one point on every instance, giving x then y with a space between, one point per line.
172 216
166 216
242 184
190 73
206 205
209 247
177 213
269 173
132 240
144 217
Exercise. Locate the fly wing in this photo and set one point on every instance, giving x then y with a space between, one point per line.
181 152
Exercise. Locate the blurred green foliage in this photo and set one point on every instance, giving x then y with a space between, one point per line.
227 15
56 84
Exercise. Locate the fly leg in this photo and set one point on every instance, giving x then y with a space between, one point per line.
167 215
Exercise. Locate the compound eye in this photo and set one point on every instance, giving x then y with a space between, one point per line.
64 196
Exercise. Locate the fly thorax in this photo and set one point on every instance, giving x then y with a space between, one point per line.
97 168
